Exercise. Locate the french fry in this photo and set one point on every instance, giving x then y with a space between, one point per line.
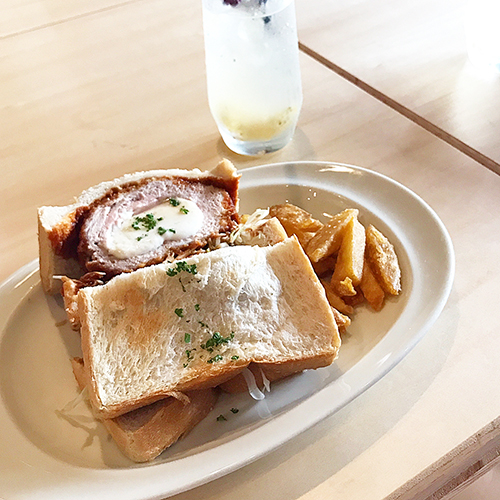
350 258
355 300
296 221
335 300
372 291
343 321
362 263
383 261
345 287
325 266
328 239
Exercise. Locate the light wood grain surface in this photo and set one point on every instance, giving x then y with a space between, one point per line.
415 55
87 95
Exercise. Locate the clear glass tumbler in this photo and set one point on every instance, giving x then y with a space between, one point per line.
253 72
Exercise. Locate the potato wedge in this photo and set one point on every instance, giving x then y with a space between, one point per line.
327 239
335 300
355 300
325 266
350 258
345 288
343 321
383 261
296 221
371 289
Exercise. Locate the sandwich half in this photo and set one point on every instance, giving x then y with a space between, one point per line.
135 221
198 322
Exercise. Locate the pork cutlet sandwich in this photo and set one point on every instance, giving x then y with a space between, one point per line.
136 221
173 298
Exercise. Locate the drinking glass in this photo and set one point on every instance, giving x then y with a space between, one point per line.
253 72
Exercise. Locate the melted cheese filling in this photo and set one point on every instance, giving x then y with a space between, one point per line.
136 234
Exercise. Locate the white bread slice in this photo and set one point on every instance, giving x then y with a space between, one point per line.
54 223
144 433
265 304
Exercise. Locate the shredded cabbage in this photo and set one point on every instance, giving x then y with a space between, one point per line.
253 389
80 418
265 380
254 221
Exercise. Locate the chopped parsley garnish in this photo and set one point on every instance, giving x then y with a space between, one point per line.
216 340
182 266
190 357
147 222
213 345
222 418
175 203
162 230
215 359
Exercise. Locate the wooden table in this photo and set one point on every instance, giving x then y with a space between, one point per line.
89 92
413 57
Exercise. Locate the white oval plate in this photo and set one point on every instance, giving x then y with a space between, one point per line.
43 456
